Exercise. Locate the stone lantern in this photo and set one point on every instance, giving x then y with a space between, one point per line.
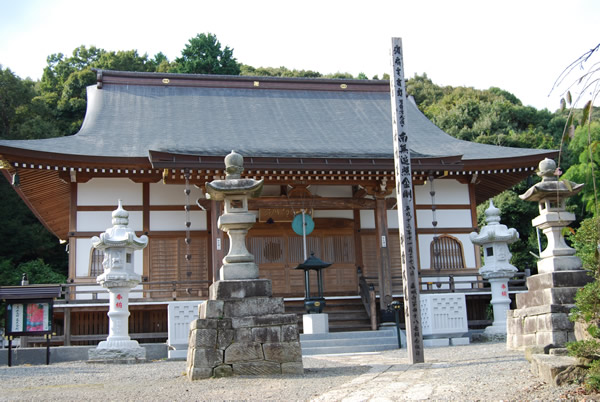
541 318
241 329
551 194
236 220
494 238
119 244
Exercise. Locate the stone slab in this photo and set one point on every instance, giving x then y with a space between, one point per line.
253 306
283 352
557 370
211 309
557 264
537 310
117 356
577 278
237 271
199 373
265 320
292 368
563 295
463 340
437 342
239 289
240 352
204 357
256 368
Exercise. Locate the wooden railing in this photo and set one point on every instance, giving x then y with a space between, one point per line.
367 295
176 290
440 282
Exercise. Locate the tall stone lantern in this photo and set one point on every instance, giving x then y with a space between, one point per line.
119 244
541 318
241 329
494 238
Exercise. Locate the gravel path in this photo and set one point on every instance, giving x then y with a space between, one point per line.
481 371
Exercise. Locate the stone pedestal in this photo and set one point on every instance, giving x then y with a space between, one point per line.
542 316
243 330
315 323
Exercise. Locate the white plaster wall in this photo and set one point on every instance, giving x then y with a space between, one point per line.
108 191
447 218
392 219
367 219
447 191
99 221
468 248
334 214
175 220
172 194
83 249
331 191
82 257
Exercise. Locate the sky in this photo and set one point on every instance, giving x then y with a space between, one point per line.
520 46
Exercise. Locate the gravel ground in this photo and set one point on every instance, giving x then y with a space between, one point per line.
480 371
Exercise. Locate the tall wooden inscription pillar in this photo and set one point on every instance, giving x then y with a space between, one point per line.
405 197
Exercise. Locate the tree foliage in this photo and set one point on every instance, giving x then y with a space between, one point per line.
203 55
492 116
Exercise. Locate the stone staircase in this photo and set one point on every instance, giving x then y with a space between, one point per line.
344 314
349 342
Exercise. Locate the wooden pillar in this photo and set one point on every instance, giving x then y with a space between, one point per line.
72 229
146 228
217 239
383 254
358 255
67 326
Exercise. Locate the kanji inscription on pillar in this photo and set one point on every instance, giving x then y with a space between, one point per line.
404 194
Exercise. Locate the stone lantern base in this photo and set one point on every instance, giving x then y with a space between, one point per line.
243 330
542 315
117 352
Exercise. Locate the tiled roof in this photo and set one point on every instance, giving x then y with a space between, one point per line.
131 120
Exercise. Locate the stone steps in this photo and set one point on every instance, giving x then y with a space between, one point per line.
344 314
348 342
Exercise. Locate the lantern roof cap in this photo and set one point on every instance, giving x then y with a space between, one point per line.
313 262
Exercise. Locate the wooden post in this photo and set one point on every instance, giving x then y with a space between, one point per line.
406 215
217 239
67 326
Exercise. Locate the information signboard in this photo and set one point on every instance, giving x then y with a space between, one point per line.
29 317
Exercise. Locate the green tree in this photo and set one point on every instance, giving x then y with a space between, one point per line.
585 146
22 236
15 97
203 55
276 72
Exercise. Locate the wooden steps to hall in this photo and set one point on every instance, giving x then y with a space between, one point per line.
347 314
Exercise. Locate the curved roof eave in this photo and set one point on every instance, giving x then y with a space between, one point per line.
126 122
